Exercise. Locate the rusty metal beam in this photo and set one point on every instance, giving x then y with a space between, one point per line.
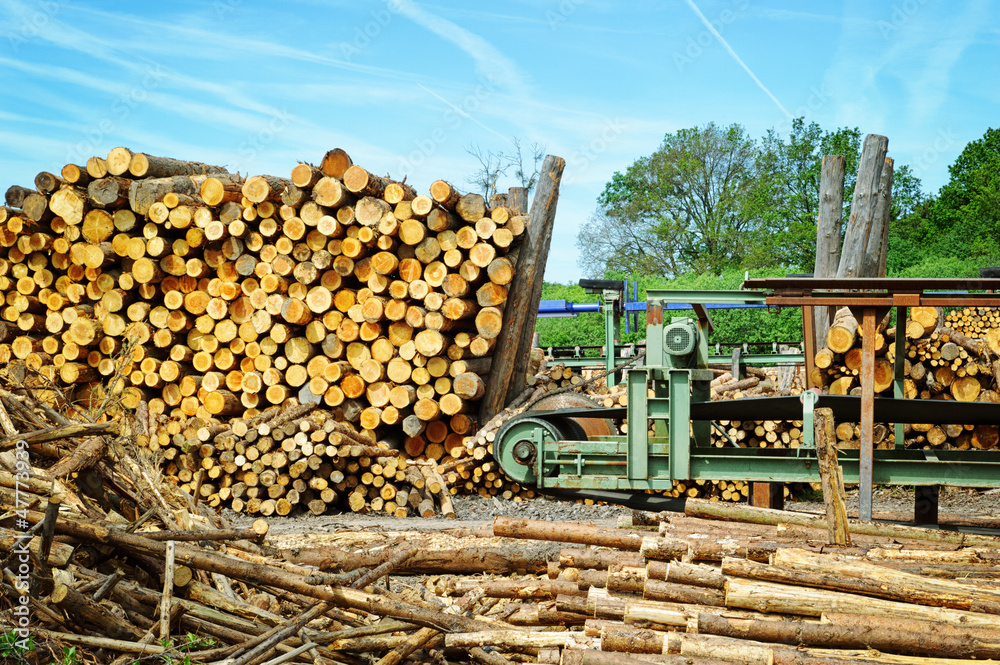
884 300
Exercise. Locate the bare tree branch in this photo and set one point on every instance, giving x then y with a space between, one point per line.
526 162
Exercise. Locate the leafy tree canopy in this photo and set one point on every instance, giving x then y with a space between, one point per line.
959 228
711 203
712 198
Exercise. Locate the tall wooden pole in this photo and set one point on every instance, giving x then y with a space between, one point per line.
517 197
831 213
862 221
862 228
875 257
510 363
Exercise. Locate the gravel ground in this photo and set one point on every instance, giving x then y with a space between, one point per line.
478 512
955 500
470 512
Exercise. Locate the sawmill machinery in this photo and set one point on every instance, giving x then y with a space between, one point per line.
617 309
670 415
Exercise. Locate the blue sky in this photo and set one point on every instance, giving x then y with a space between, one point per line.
406 86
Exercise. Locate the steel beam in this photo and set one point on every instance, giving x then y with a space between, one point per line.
712 297
899 374
638 419
679 424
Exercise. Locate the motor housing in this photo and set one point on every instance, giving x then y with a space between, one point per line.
680 338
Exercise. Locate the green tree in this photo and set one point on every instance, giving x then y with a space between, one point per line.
958 230
711 199
678 209
786 195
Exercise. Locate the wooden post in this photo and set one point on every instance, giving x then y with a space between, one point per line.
925 504
859 227
507 375
831 213
831 478
517 198
883 214
767 495
867 413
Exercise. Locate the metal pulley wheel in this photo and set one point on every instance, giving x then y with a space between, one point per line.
516 445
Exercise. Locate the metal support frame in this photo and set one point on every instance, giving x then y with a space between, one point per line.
925 504
610 302
867 445
679 423
681 449
898 373
808 399
767 495
880 294
637 380
809 343
612 294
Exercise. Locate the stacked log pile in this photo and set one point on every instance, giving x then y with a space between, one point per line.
207 296
114 571
940 363
128 569
977 322
769 382
758 587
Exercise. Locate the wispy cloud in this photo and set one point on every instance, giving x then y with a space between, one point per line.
233 46
490 61
915 51
929 90
738 59
465 115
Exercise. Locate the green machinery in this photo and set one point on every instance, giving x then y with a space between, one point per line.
552 452
614 305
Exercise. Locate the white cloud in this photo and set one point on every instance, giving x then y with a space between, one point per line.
490 61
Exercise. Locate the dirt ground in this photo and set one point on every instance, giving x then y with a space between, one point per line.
957 501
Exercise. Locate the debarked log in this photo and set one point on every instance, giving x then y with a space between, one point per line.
925 638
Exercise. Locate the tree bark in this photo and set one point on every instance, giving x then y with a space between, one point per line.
831 216
831 478
567 532
875 247
859 226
